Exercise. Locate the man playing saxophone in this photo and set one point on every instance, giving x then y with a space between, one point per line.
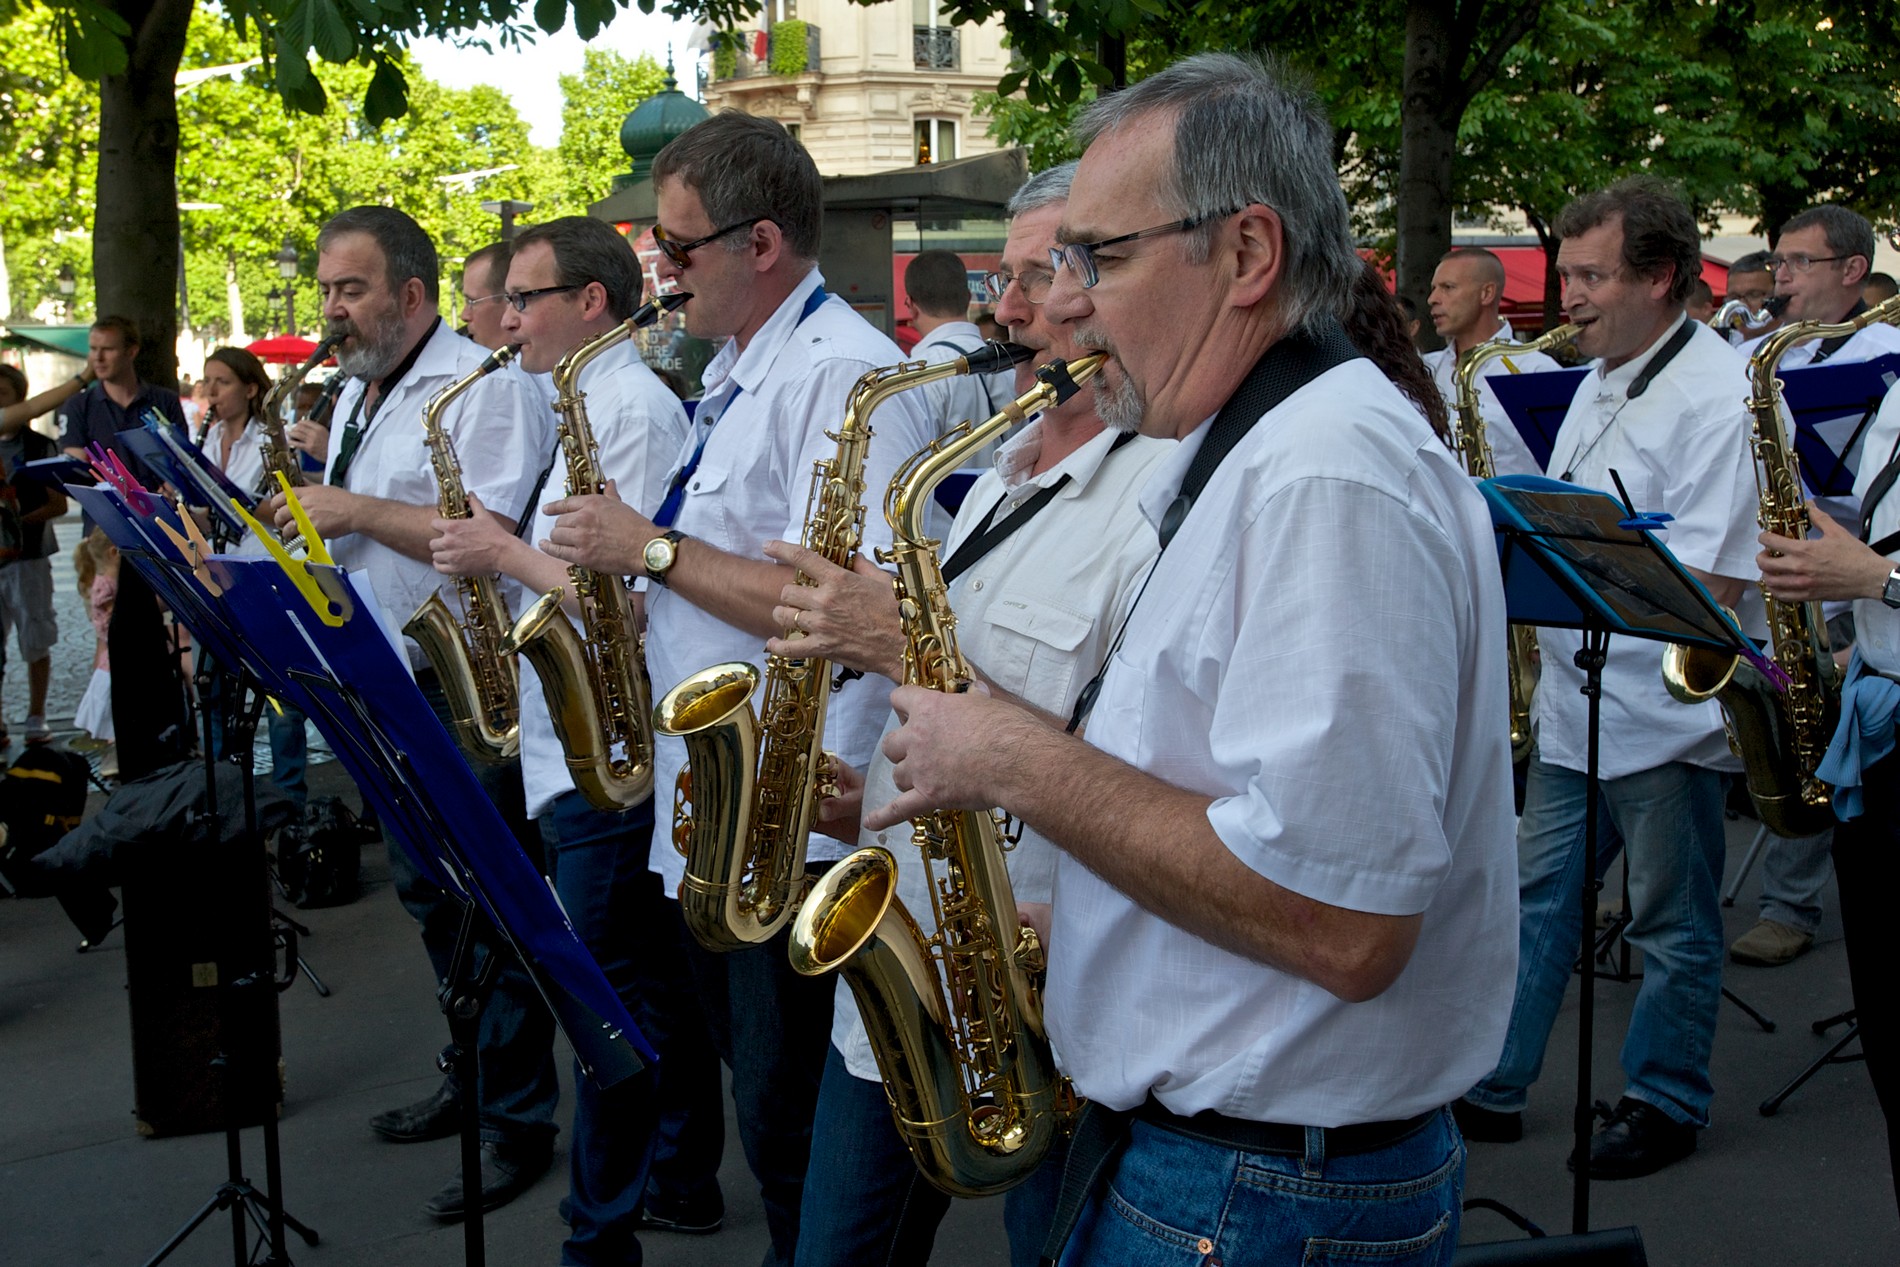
376 506
1043 560
1663 409
1467 288
569 281
1282 931
739 222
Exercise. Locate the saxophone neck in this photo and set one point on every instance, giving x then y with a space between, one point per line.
432 411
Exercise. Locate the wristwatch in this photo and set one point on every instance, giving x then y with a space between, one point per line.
659 554
1890 592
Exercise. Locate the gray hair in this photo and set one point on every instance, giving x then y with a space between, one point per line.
407 250
744 168
1044 189
1848 232
1243 134
589 250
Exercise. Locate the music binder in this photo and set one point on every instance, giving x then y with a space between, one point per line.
1536 405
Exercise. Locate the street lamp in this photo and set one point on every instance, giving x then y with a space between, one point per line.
507 209
287 269
67 285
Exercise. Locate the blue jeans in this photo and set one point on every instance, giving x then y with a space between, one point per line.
867 1204
668 1122
1172 1201
515 1045
1671 819
1794 872
772 1027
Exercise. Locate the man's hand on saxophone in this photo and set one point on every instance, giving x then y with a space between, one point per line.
600 532
484 545
1834 565
848 616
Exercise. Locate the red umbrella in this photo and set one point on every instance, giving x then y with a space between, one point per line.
283 349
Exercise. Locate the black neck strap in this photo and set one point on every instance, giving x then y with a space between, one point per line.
1659 362
1828 347
991 535
1882 485
352 438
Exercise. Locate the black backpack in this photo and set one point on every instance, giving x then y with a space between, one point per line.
42 797
318 859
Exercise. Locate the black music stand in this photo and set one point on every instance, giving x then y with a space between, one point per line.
1575 558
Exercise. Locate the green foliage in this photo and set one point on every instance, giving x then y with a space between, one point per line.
725 54
790 48
1043 132
594 103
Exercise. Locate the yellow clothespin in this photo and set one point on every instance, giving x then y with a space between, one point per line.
191 544
331 609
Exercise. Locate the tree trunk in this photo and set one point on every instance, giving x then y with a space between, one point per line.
1428 142
135 238
1780 204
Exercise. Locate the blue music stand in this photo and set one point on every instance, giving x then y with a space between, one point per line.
1832 405
1576 558
198 480
1536 405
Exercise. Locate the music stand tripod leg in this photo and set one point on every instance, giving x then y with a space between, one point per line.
462 997
1590 658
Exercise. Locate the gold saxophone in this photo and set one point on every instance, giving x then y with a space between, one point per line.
1780 737
595 683
477 677
279 457
744 803
1475 449
955 1019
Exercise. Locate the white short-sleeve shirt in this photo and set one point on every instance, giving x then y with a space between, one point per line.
764 415
1876 625
501 430
1036 616
1682 447
1509 454
1322 652
639 426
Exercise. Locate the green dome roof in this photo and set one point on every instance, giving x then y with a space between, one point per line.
656 121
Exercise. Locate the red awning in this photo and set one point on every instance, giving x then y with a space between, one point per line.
282 349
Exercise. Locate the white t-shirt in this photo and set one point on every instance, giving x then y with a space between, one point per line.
1036 615
639 426
1876 625
1682 448
501 430
1509 454
772 405
1322 652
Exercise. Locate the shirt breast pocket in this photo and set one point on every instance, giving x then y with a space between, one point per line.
1030 648
703 512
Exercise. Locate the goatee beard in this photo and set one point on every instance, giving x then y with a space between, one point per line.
372 353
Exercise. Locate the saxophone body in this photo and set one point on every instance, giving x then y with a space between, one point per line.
955 1016
279 457
478 678
1780 737
1475 449
594 678
743 828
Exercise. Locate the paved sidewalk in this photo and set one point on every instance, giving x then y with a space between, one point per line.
77 1186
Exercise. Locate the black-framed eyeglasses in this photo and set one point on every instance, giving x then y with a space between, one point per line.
1080 256
1034 284
1800 263
518 299
681 253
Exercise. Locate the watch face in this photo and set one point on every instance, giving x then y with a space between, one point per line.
658 554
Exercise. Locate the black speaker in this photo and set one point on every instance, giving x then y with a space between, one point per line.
199 974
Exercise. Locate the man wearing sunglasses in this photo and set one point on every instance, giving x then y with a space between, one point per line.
1283 921
740 211
377 272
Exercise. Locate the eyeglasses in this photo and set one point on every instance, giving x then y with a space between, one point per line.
1034 284
474 301
518 299
1799 263
681 253
1080 256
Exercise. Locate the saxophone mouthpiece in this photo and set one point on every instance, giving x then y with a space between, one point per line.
498 358
995 356
658 306
1067 379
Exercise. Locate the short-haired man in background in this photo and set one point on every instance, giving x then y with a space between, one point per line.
1467 289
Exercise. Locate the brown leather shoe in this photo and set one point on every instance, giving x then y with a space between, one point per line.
1770 944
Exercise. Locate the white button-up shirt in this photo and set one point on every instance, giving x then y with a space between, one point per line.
245 466
1036 615
1682 447
639 426
1320 651
1876 625
1509 454
764 415
501 430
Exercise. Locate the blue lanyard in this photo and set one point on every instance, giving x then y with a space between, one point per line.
676 491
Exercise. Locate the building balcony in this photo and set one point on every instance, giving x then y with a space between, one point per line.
935 47
790 48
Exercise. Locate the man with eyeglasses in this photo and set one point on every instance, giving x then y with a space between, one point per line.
740 213
1662 408
484 278
1282 936
569 281
377 272
1042 561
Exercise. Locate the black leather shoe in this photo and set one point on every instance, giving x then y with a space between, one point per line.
690 1218
437 1116
507 1172
1487 1126
1639 1139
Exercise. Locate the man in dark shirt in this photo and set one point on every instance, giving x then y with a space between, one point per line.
148 722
